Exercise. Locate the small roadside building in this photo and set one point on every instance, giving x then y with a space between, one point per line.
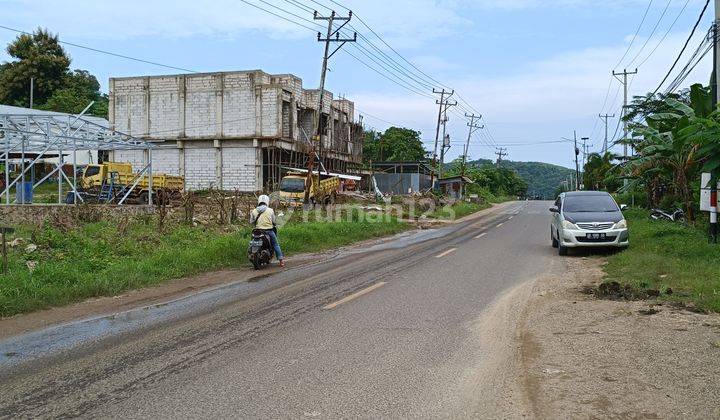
399 178
454 187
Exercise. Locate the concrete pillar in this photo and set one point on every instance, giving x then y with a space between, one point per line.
218 163
258 164
182 95
146 100
181 162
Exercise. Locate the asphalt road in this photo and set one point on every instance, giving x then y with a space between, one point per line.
384 333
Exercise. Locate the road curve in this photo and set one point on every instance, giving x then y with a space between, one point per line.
386 333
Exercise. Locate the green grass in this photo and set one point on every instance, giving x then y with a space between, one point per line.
665 255
103 259
458 210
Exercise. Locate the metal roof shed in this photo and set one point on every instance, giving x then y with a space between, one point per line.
39 134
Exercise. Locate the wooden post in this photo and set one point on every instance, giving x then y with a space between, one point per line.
3 232
4 252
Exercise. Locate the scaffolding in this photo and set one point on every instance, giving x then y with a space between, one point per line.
26 139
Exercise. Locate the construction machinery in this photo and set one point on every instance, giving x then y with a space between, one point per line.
292 189
111 182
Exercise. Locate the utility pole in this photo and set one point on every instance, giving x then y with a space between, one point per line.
577 164
443 104
605 119
501 153
473 127
585 148
715 100
624 82
446 137
32 92
331 36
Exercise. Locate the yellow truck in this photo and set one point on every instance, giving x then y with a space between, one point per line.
292 189
111 181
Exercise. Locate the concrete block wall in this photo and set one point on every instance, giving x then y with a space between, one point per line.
241 168
200 169
239 112
166 99
135 157
270 111
240 164
311 99
167 160
128 98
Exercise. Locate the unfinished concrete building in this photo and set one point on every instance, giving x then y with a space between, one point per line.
231 130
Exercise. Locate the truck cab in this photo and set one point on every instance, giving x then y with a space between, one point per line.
94 175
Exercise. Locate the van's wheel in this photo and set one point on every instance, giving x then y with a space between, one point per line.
562 250
555 243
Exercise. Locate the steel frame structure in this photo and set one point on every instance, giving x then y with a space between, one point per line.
33 136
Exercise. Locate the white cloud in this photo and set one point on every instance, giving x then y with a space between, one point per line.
543 100
185 18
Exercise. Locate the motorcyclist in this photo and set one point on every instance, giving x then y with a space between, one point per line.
263 218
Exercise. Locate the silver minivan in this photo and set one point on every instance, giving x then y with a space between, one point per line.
587 219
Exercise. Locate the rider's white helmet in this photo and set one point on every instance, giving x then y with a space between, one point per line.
264 199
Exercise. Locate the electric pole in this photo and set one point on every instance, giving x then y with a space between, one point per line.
32 92
501 153
605 119
473 127
577 164
441 120
715 100
446 137
331 36
624 75
585 148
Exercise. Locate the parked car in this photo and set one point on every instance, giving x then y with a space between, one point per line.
587 219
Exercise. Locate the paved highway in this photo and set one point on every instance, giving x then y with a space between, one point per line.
381 333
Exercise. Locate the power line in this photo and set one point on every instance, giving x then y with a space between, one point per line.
692 33
127 57
642 22
701 51
662 15
666 34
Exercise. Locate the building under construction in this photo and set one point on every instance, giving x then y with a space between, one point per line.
231 130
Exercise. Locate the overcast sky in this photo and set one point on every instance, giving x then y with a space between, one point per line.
535 69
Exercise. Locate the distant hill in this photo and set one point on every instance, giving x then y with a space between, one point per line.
542 178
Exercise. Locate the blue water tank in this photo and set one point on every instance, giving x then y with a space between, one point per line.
24 190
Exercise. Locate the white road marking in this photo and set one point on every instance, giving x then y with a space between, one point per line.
354 296
511 217
481 235
500 225
449 251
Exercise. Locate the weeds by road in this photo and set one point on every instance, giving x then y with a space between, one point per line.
674 259
458 210
106 258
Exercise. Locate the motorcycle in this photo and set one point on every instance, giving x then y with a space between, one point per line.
260 250
676 216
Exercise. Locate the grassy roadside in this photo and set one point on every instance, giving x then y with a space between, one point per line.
457 210
463 208
106 258
665 255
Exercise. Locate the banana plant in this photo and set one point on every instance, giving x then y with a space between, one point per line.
669 145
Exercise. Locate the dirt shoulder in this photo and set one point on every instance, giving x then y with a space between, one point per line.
588 358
